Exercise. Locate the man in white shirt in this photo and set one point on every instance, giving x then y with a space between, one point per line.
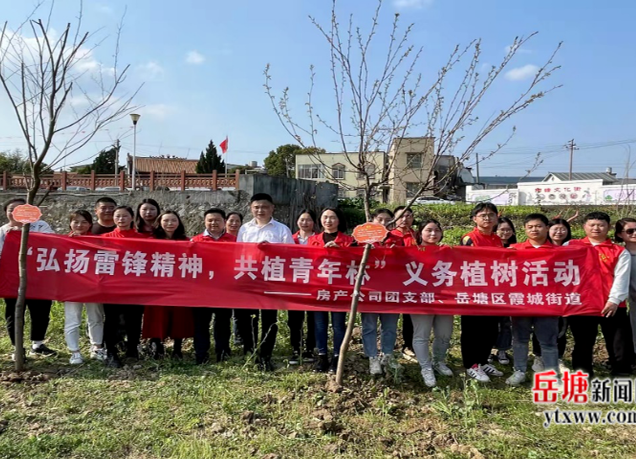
39 310
263 228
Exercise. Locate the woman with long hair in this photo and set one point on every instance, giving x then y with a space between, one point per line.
146 216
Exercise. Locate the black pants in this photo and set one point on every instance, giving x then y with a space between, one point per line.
248 328
130 316
562 339
478 337
40 312
618 340
295 321
222 332
407 331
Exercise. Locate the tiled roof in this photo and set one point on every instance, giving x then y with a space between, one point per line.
169 165
565 176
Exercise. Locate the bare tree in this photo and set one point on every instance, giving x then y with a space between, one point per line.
61 97
376 107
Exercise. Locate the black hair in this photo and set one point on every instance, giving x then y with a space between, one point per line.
240 215
13 200
139 221
536 216
426 222
261 197
620 226
512 239
105 199
215 210
382 210
560 221
126 208
160 233
81 213
311 213
483 206
399 208
342 223
597 216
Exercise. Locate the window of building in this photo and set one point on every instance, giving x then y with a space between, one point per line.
338 171
310 171
369 170
414 160
412 188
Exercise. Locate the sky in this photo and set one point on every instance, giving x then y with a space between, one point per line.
200 66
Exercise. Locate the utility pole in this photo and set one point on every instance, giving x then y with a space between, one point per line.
477 165
116 160
571 145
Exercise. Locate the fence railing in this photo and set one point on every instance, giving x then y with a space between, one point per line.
145 181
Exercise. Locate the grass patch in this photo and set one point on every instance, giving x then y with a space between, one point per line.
177 410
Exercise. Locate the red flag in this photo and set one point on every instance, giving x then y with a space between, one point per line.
224 146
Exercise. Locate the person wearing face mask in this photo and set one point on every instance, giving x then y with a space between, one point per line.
39 310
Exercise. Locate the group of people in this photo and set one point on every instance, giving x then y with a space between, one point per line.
117 328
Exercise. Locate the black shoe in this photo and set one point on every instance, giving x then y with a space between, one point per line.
322 364
177 354
295 358
223 356
43 351
308 357
333 367
202 359
266 364
157 350
112 361
132 354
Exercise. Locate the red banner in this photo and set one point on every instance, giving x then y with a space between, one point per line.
440 280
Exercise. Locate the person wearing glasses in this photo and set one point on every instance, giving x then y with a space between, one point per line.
479 333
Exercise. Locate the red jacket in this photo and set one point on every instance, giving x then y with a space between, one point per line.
225 237
477 239
124 234
342 240
528 245
608 254
409 238
295 236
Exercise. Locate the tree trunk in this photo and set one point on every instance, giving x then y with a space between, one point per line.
21 300
352 313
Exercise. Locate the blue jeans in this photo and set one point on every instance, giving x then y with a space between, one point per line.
546 330
339 325
370 333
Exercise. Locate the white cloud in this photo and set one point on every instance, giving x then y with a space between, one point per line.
151 70
522 73
156 110
194 57
415 4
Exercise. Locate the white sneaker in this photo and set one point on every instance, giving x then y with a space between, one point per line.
477 373
374 366
388 361
490 370
429 377
442 369
76 359
562 367
98 353
538 366
517 378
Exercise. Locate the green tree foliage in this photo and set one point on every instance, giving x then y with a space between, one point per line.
105 161
15 162
282 161
210 161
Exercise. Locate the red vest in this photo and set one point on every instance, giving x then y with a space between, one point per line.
342 240
528 245
608 255
481 240
408 238
117 233
225 237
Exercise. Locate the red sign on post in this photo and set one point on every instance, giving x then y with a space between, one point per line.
26 213
370 233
